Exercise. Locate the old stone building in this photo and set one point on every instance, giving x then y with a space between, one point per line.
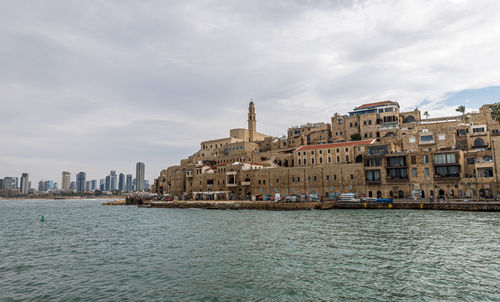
375 151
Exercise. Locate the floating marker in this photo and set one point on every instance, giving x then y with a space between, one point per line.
42 218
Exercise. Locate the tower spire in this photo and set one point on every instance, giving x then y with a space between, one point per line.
252 122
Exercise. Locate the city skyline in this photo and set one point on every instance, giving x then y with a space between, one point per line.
85 87
66 178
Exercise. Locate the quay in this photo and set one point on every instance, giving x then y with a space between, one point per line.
483 206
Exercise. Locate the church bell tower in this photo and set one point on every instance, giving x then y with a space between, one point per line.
252 123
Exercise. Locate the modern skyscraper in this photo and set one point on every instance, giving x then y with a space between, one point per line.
121 182
9 183
94 185
25 183
139 176
101 185
72 186
88 186
66 181
40 186
16 183
107 186
114 180
129 183
80 182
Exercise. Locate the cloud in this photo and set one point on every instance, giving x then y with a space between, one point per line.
96 86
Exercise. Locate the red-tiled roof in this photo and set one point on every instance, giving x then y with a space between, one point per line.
373 104
335 145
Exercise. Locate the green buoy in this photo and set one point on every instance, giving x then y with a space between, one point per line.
42 218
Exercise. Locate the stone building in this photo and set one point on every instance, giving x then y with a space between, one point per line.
375 151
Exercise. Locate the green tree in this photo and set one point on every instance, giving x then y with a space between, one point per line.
495 112
461 109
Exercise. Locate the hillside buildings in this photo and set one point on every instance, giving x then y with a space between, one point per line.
375 150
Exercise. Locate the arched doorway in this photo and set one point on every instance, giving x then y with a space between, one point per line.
401 194
379 194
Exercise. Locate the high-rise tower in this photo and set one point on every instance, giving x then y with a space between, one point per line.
139 176
252 122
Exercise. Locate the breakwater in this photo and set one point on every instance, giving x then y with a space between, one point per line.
263 205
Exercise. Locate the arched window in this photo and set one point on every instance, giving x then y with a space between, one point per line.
389 134
462 132
409 119
479 142
359 159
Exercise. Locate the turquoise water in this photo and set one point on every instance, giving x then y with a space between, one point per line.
84 251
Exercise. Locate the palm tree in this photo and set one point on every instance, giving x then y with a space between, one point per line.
426 114
461 109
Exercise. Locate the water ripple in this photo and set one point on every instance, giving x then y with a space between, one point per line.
85 251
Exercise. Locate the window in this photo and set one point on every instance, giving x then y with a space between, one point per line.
298 179
413 160
305 161
327 177
479 142
312 161
373 175
426 159
298 161
364 123
427 172
369 122
350 125
334 177
374 162
314 178
352 176
396 162
321 160
397 173
414 172
338 158
347 158
471 160
479 129
441 137
447 171
277 180
329 159
445 158
346 149
426 138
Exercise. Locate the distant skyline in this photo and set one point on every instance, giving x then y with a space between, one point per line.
98 86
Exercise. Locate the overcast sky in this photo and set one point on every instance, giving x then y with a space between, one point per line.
98 85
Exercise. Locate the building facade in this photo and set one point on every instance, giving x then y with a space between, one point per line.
80 182
376 150
139 176
66 181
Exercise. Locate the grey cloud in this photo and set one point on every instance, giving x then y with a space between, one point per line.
101 85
